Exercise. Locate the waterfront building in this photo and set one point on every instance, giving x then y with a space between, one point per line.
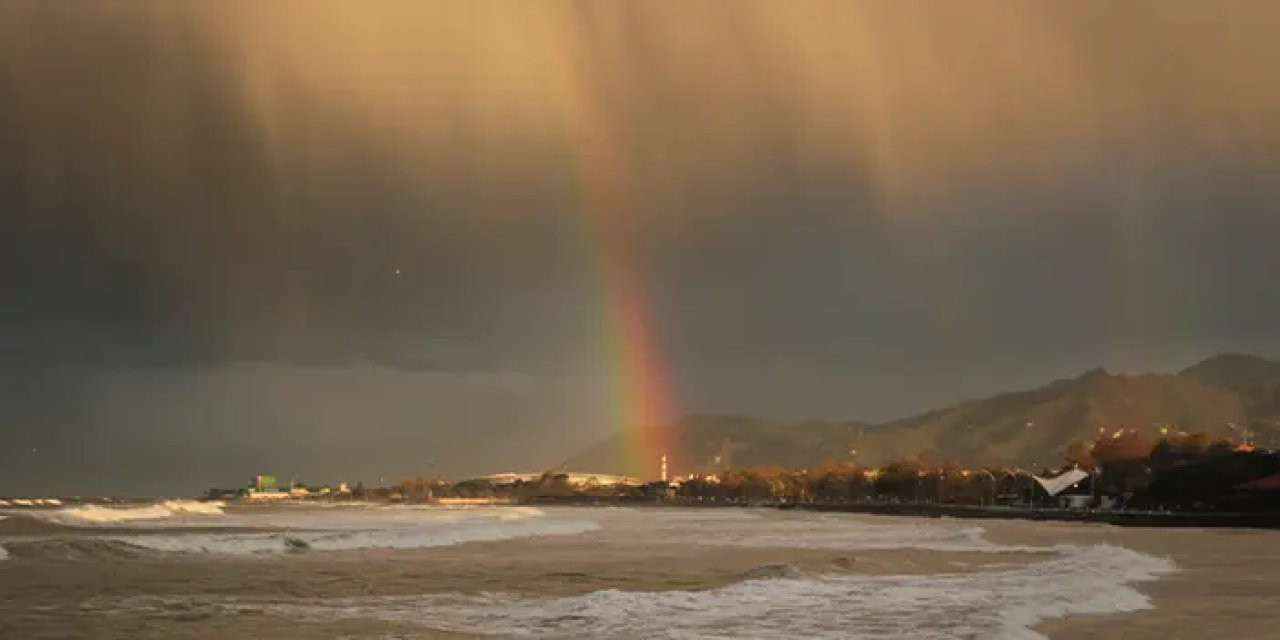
573 479
263 487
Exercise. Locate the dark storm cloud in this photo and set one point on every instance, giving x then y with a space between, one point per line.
148 220
837 209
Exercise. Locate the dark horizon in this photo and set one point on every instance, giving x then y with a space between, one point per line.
453 239
389 476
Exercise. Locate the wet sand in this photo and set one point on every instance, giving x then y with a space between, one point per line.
1227 583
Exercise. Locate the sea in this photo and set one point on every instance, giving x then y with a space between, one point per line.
172 568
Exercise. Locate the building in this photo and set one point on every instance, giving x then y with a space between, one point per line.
265 495
1072 489
262 483
574 479
263 487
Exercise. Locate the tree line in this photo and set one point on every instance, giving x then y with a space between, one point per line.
1127 467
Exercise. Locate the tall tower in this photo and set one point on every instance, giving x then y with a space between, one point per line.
662 464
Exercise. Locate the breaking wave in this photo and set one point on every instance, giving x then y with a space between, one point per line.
426 530
184 526
199 527
97 515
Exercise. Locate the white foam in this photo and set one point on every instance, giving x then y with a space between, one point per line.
4 553
358 526
96 515
367 527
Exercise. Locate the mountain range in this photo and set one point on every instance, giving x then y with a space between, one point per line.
1227 396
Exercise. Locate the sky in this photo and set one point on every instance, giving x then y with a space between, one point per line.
349 241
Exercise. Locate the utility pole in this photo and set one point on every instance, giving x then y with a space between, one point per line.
1093 485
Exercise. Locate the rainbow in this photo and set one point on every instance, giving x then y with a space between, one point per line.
638 389
639 392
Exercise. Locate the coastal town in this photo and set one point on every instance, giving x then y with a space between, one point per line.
1122 477
1120 473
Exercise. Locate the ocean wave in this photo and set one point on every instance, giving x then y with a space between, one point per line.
766 571
97 515
73 549
384 534
23 524
765 529
31 502
1004 604
1003 601
198 527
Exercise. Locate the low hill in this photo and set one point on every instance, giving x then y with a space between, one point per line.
1256 380
1224 396
1037 426
1235 371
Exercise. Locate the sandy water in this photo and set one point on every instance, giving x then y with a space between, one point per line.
186 571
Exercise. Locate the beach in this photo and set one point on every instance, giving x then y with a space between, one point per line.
1227 582
625 573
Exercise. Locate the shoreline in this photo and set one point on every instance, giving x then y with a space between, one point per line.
1266 520
1269 520
1139 519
